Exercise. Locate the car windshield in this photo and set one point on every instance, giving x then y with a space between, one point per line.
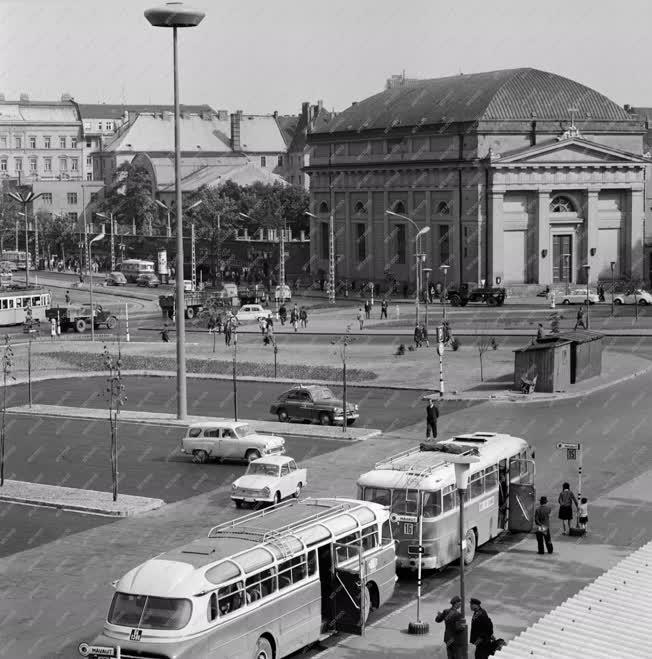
263 469
149 612
242 430
322 393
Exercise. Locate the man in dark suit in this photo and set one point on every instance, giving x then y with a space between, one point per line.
542 525
482 630
432 414
455 632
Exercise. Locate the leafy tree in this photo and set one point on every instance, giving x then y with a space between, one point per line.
57 233
131 197
8 214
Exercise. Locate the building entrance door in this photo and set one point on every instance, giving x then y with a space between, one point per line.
562 258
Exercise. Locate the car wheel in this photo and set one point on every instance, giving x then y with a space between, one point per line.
455 300
325 419
566 301
492 302
283 416
277 498
617 301
80 325
252 455
199 456
111 322
297 491
642 302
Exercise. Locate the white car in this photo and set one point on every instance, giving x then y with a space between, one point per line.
252 312
579 297
268 480
229 439
639 296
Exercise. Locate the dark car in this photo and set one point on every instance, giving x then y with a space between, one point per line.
148 279
116 279
313 403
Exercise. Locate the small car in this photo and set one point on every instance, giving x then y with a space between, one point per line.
313 403
252 312
115 279
269 480
637 296
148 279
579 296
229 439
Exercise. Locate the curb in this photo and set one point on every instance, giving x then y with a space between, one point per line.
98 289
76 508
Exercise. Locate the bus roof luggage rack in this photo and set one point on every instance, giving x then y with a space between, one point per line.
435 456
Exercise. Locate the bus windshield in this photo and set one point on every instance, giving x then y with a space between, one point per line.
149 612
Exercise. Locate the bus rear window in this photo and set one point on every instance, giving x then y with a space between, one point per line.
149 612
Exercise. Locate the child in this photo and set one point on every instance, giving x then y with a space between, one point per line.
584 513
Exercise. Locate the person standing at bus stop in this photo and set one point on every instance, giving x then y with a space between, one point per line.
455 631
482 630
432 414
542 525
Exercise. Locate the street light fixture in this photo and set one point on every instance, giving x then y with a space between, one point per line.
175 15
613 265
90 268
418 255
587 269
444 269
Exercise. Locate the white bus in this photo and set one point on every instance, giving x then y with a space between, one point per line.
131 268
18 257
261 586
14 304
401 480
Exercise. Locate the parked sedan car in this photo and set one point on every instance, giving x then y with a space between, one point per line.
148 279
579 297
115 279
638 296
269 480
313 403
252 312
229 439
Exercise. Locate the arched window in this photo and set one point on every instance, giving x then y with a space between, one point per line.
399 207
443 208
561 205
323 207
360 208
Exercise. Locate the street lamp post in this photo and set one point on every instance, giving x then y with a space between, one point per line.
98 237
444 269
587 269
25 199
427 271
109 217
613 285
418 255
175 15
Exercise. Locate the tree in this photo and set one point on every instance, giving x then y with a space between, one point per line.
131 198
8 215
57 233
485 344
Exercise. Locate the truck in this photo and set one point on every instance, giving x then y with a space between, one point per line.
461 295
78 317
196 302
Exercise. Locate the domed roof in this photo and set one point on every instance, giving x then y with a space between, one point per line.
510 94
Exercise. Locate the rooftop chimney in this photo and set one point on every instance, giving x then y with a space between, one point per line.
275 114
236 120
222 115
24 97
66 97
305 113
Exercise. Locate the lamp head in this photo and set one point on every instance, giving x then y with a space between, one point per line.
174 14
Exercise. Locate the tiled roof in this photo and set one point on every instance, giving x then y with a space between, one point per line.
287 124
261 133
609 619
510 94
116 111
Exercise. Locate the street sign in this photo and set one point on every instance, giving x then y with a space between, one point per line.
565 445
571 454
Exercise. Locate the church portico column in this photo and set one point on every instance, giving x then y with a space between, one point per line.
543 238
635 234
497 238
591 236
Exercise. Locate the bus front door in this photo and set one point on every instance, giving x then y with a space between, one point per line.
327 579
351 595
522 497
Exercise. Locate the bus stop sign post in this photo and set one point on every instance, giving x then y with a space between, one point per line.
574 452
419 627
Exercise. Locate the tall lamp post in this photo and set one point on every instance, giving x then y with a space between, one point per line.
587 269
175 15
444 269
25 198
109 217
427 271
613 285
93 240
417 253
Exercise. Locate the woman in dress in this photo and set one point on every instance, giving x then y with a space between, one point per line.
566 502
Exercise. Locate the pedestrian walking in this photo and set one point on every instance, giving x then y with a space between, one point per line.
540 332
262 324
417 336
165 334
218 323
580 318
542 525
360 318
383 310
53 328
294 318
303 317
583 513
282 314
424 335
566 502
367 309
482 630
455 629
432 414
269 326
601 293
67 298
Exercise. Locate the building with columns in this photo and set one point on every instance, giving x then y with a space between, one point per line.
523 176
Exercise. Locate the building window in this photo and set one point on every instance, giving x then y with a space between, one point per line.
73 216
19 143
73 142
74 164
46 142
72 198
399 207
89 162
47 197
3 165
280 161
323 207
47 164
399 243
561 205
109 125
360 208
395 145
3 141
443 208
325 236
62 142
361 240
444 243
263 161
33 165
88 145
89 176
63 164
19 164
32 142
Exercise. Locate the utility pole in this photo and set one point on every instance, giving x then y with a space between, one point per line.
193 259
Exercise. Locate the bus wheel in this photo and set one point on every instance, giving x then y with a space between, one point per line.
111 322
367 606
80 325
190 313
263 649
469 554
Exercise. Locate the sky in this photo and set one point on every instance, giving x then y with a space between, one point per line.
260 56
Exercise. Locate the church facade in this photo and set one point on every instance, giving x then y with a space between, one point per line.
522 176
